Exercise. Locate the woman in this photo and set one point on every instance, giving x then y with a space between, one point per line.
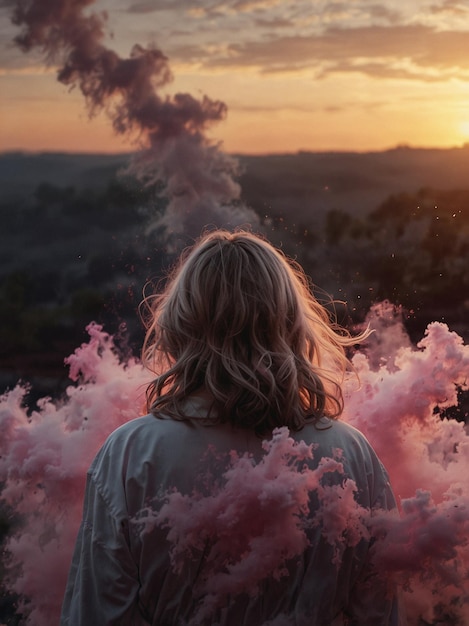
239 347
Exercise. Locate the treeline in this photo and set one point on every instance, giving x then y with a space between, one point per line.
412 250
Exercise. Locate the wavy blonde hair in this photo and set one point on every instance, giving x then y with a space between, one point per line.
237 320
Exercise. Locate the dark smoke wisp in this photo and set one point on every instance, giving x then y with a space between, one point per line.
170 131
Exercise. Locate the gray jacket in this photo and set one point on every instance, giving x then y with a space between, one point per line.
123 576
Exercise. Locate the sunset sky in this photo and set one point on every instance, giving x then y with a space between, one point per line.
295 75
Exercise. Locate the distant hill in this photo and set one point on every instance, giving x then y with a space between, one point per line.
307 183
21 172
311 183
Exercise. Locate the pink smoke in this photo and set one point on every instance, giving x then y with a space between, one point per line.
170 131
398 408
44 456
248 543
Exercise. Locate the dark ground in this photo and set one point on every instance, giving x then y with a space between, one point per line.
74 244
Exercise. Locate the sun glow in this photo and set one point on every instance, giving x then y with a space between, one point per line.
464 129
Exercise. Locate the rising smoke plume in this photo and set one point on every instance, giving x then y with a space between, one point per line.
198 177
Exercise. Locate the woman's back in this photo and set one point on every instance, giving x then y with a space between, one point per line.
148 459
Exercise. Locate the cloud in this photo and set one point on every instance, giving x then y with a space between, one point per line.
299 7
306 108
142 7
398 71
380 11
409 51
276 36
14 62
151 6
273 23
26 70
244 6
202 8
454 7
254 5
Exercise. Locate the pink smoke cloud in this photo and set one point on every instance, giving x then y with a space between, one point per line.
398 408
398 411
44 455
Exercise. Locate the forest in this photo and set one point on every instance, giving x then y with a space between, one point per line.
75 250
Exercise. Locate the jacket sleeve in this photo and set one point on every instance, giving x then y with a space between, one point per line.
103 585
